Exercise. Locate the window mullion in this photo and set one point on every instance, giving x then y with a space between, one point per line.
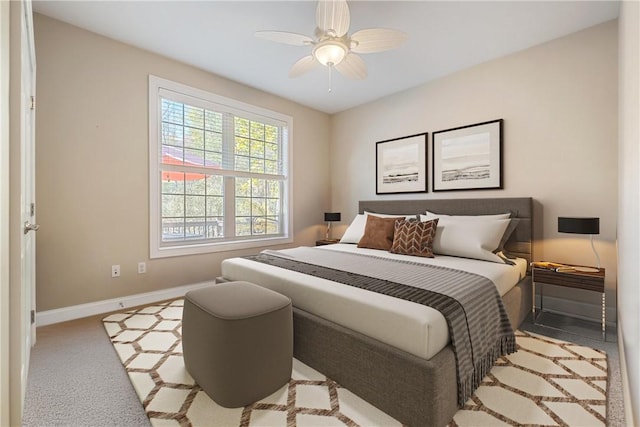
184 194
228 150
282 158
229 207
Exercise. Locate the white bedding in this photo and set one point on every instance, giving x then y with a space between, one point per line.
414 328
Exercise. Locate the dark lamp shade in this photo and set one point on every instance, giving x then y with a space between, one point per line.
578 225
331 216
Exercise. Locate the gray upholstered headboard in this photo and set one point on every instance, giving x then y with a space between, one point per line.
520 242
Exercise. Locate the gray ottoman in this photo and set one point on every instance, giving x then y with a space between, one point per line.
237 341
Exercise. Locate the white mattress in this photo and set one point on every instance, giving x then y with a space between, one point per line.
414 328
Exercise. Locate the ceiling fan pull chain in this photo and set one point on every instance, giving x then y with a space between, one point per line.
330 70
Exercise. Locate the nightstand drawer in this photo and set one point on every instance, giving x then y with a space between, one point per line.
573 279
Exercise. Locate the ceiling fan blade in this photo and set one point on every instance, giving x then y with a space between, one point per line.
353 67
376 40
285 37
302 66
333 17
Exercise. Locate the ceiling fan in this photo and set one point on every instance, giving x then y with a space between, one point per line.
332 46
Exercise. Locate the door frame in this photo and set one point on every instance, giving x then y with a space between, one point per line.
4 212
19 328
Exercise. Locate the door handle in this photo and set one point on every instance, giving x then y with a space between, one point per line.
29 227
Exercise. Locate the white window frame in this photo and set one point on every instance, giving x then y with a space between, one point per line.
160 250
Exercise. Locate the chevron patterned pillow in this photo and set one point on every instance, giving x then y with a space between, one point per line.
414 238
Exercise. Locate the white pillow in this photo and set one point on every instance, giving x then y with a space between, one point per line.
355 231
432 215
476 239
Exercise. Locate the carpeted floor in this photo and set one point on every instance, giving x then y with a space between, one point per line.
76 379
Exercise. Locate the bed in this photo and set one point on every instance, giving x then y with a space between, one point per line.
414 381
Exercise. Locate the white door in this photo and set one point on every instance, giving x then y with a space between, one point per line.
27 190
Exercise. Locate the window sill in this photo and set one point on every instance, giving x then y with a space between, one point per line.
196 249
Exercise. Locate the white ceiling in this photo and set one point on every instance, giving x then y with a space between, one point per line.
218 36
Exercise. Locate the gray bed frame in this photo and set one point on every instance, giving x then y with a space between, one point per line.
415 391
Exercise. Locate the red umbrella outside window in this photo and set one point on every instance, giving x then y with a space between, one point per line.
176 156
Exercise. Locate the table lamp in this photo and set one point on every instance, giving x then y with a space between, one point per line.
581 225
330 217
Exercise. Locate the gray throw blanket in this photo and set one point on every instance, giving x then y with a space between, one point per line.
479 327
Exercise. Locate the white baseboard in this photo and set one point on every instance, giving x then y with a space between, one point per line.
626 392
64 314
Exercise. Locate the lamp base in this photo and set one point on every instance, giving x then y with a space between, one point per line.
586 269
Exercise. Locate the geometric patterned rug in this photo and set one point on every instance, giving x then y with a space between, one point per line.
546 382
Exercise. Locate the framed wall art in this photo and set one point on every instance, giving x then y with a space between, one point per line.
468 157
401 165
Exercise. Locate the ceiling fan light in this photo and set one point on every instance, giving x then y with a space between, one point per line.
330 53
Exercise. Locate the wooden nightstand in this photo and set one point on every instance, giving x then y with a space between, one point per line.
569 279
327 242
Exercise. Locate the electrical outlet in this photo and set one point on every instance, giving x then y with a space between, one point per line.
142 267
115 271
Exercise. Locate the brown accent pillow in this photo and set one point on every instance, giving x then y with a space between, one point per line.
378 233
414 238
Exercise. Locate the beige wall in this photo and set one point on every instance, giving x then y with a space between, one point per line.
92 167
629 204
559 105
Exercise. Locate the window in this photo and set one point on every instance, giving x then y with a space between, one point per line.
218 172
